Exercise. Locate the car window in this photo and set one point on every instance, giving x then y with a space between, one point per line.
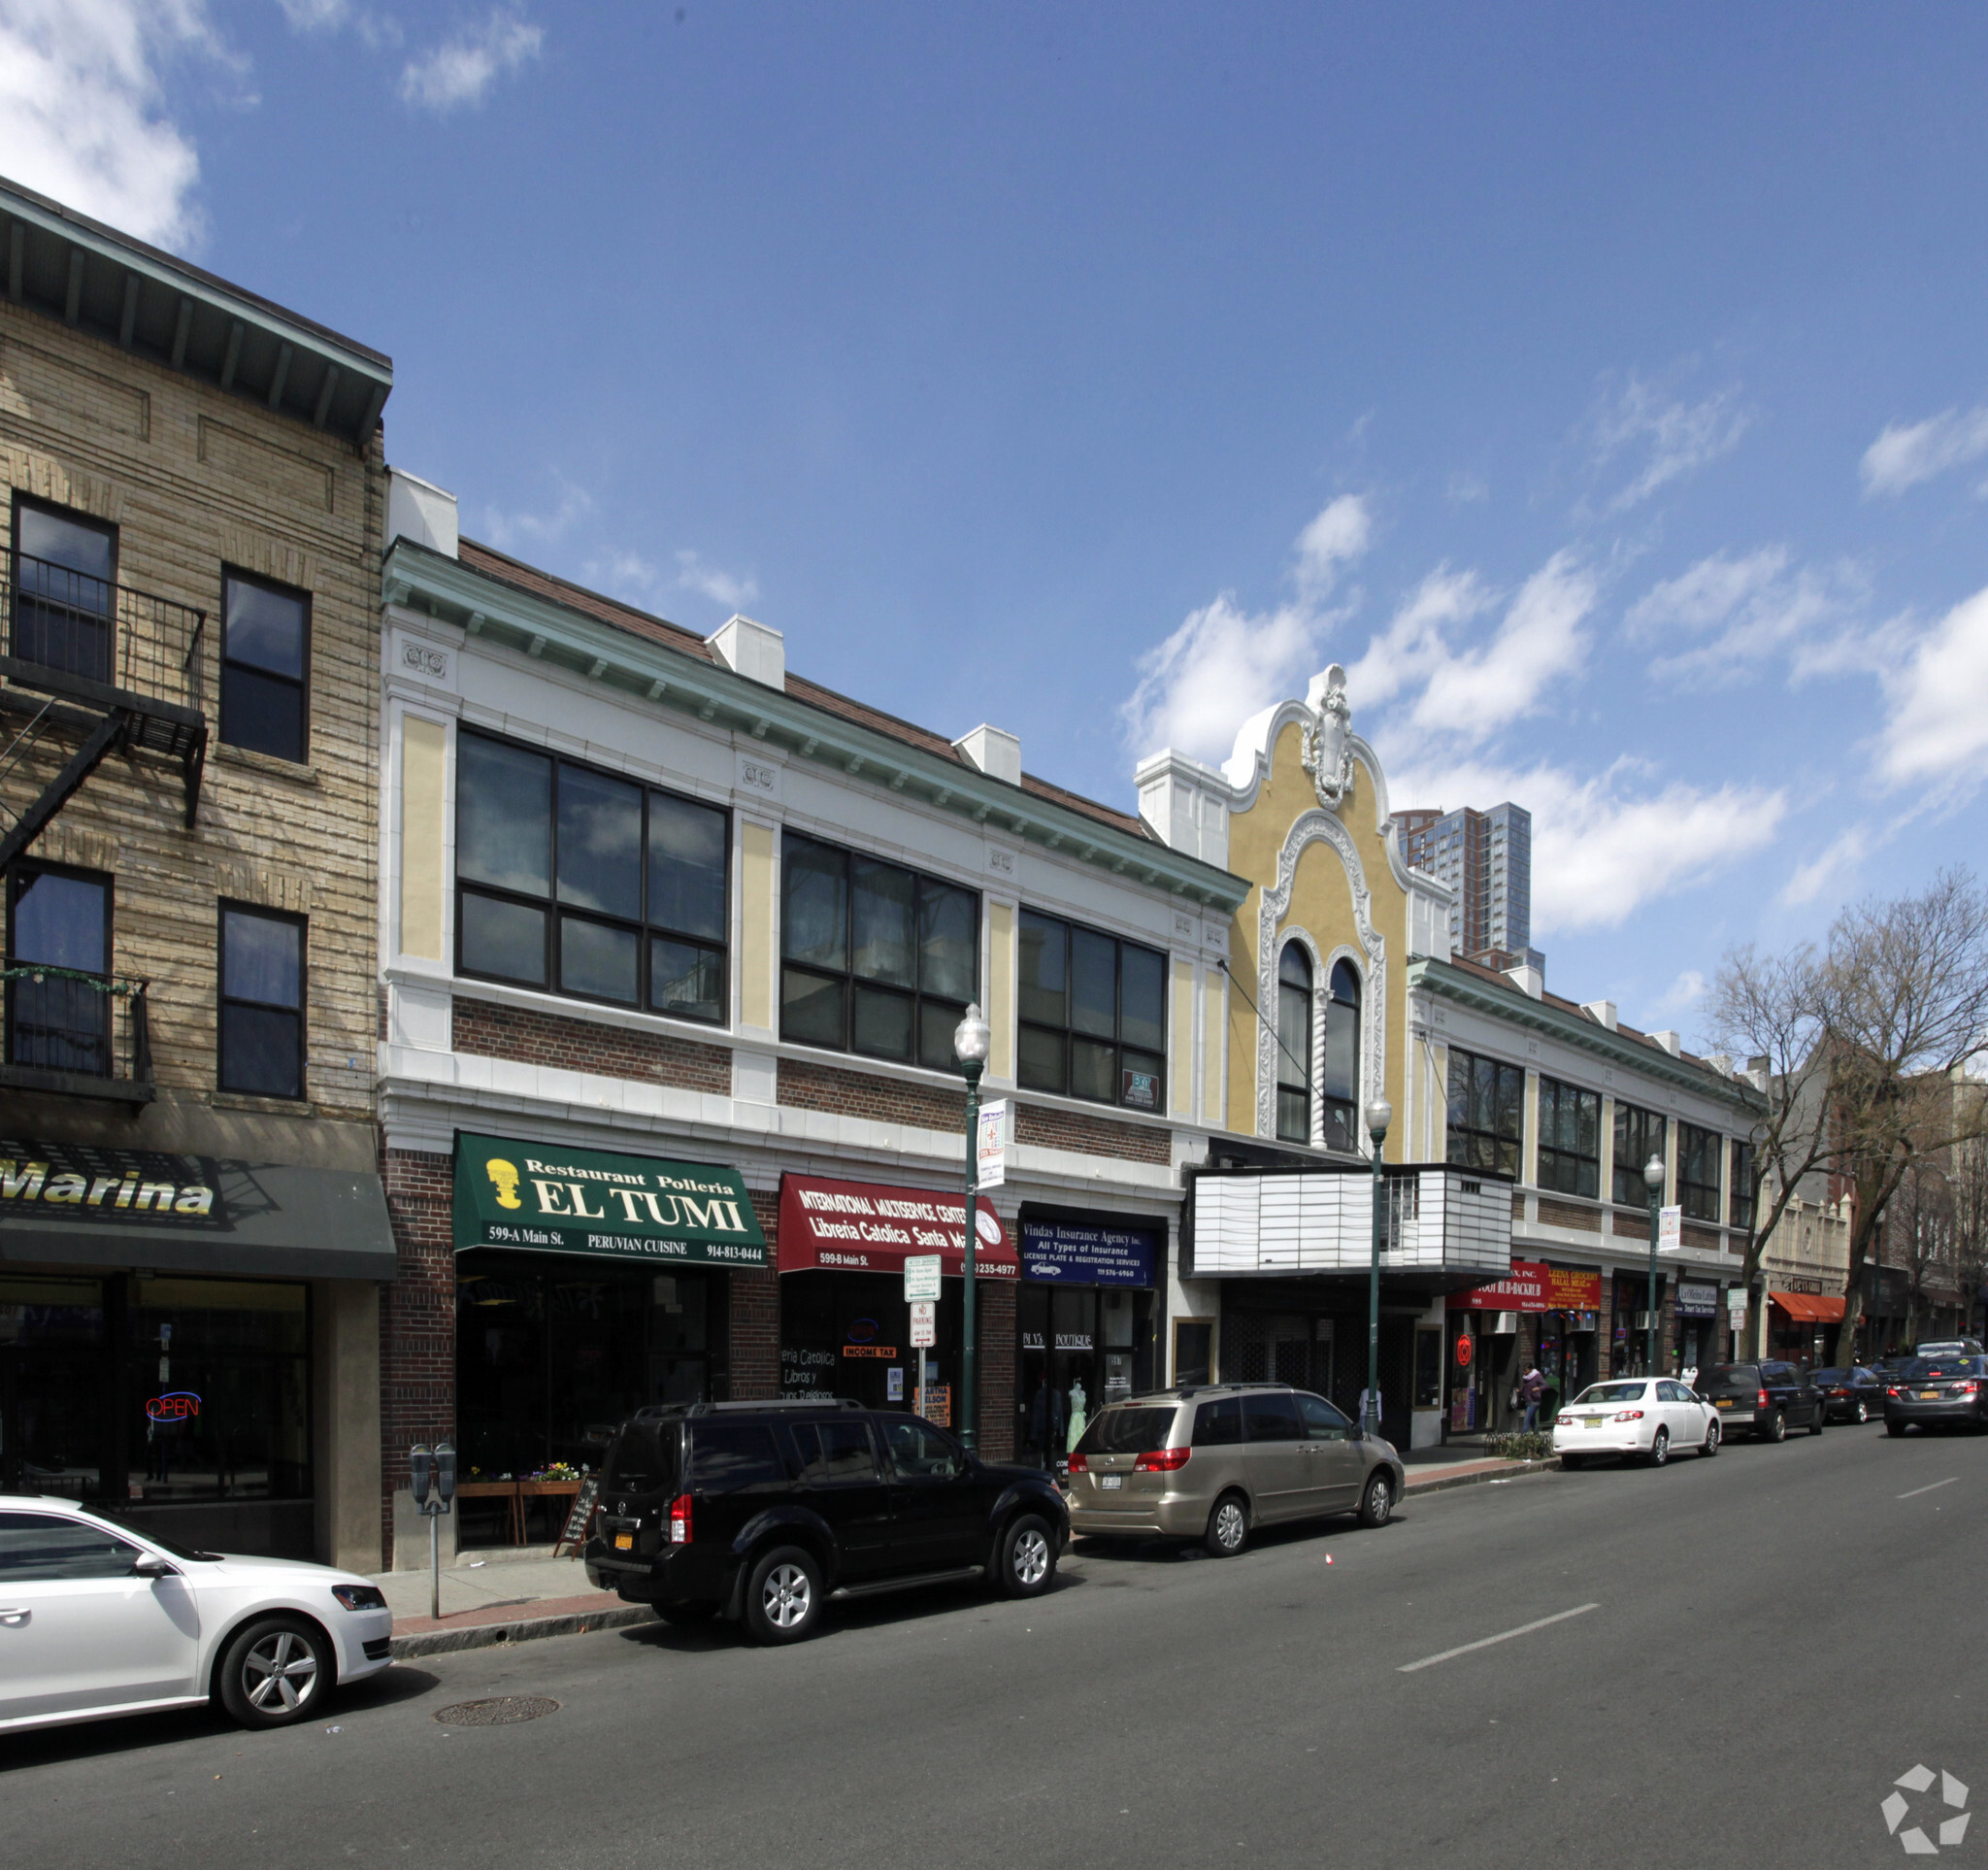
1128 1431
1611 1392
642 1458
1218 1424
1671 1392
919 1449
1322 1421
1271 1417
36 1547
835 1452
1823 1377
728 1456
1727 1379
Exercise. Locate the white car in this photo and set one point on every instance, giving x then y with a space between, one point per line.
97 1619
1641 1417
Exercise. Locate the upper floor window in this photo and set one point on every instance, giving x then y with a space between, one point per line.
59 921
261 1002
1294 1045
1740 1208
265 667
1093 1015
591 885
1569 1138
1487 1112
1698 1172
1338 1082
1638 1136
875 958
65 575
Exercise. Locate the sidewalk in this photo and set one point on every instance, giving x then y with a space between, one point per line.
499 1598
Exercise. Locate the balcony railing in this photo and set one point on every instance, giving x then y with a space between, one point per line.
91 631
71 1031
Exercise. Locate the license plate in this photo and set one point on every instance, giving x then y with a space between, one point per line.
1725 1402
624 1542
1110 1483
1929 1395
1591 1421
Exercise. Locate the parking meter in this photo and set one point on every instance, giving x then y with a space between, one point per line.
445 1473
420 1462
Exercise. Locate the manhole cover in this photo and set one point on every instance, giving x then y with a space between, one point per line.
499 1712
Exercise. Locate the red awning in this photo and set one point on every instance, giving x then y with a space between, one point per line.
1810 1307
869 1228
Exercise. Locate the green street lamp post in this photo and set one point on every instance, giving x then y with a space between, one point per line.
969 1041
1653 1180
1379 1115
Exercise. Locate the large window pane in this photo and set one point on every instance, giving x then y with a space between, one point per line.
1139 1080
60 922
1339 1070
1093 983
686 867
262 959
600 843
1040 1064
885 902
883 1022
597 960
260 1052
1094 1070
265 628
815 908
937 1020
948 941
505 940
262 712
687 980
503 816
1142 998
62 598
1045 970
812 1009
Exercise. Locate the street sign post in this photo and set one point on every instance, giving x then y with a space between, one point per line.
921 1277
924 1323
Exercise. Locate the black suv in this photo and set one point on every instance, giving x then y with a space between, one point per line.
1769 1398
758 1511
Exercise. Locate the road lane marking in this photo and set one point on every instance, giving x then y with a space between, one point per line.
1917 1490
1503 1636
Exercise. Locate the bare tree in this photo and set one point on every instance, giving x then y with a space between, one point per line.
1919 1237
1770 1009
1905 1007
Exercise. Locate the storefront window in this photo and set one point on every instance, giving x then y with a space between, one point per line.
849 1335
1569 1138
1488 1103
1638 1136
53 1396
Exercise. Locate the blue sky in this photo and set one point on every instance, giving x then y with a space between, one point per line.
1605 389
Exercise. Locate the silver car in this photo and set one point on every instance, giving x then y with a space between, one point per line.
1210 1463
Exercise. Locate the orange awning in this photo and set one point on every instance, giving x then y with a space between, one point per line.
1809 1305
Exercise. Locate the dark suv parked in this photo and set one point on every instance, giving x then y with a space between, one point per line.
1769 1398
758 1511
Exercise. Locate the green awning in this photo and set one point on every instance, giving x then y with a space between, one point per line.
546 1198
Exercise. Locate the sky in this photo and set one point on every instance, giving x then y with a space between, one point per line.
1605 389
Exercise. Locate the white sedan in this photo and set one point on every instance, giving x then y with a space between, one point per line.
1639 1417
98 1619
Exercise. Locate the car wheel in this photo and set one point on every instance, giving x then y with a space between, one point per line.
1776 1429
1377 1502
686 1613
1894 1428
783 1597
1710 1446
1660 1448
1228 1527
1821 1416
276 1671
1025 1561
1863 1413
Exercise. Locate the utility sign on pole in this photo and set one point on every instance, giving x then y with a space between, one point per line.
1671 1230
921 1277
992 1144
924 1323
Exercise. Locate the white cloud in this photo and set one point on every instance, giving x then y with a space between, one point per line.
1604 847
1936 732
1415 641
375 30
510 531
1752 607
1675 437
720 586
1473 694
1466 489
1224 664
1686 990
1908 452
1831 869
462 70
82 115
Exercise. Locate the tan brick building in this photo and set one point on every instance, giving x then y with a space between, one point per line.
191 1225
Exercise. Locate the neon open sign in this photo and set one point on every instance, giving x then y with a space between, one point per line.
175 1406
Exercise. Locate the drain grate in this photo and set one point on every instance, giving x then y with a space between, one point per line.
499 1712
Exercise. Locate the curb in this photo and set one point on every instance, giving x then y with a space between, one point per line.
523 1630
1511 1473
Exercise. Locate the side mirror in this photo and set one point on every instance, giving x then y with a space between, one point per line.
150 1565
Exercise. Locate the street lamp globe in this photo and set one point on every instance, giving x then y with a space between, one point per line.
1653 1174
971 1038
1379 1115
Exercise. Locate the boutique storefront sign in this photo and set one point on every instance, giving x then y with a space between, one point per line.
545 1197
1075 1254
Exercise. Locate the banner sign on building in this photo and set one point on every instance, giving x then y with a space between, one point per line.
991 1155
545 1197
1572 1290
1670 1230
1524 1290
1075 1254
869 1227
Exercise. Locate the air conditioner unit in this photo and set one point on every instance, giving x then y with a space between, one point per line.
1505 1326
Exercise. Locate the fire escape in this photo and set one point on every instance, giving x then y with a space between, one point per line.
99 669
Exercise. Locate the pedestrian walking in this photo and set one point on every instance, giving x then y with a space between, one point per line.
1531 1387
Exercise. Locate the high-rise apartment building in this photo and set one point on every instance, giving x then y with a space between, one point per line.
1487 859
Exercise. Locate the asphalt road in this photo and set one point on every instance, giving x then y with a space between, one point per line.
1777 1636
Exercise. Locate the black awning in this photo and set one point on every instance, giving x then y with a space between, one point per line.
82 1205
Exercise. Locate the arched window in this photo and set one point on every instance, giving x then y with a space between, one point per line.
1294 1047
1338 1082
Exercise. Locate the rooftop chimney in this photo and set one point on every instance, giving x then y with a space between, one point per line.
754 651
421 511
1671 1041
994 751
1601 1012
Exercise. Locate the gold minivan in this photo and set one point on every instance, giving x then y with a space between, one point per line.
1210 1463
